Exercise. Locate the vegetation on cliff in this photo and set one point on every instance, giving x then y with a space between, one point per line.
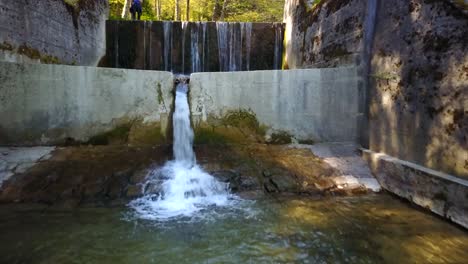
206 10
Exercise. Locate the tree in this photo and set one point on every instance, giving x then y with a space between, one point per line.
203 10
223 11
188 11
157 7
126 9
177 10
216 11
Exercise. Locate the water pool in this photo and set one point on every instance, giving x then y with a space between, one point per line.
364 229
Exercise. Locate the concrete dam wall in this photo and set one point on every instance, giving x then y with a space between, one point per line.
56 104
52 104
186 47
314 105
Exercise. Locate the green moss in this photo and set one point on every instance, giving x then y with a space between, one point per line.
29 52
209 136
6 46
117 135
50 59
280 137
160 95
146 134
243 119
73 3
36 55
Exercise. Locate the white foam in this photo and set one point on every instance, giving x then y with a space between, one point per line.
186 189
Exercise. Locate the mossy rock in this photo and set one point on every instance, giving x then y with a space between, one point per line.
118 135
280 137
146 134
209 136
236 126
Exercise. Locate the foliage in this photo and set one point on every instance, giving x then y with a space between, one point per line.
202 10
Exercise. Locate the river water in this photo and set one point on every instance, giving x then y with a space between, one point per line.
364 229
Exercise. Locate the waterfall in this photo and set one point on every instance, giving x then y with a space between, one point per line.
180 187
232 37
234 46
183 133
278 58
184 33
167 26
222 30
197 44
248 40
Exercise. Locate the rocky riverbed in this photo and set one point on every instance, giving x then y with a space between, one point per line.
112 175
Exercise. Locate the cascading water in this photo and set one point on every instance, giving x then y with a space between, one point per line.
278 47
232 38
181 187
248 44
189 47
167 26
223 29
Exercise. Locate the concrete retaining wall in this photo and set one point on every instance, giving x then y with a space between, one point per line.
315 104
439 192
53 31
416 77
50 104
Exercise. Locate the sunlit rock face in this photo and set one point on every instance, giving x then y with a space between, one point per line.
75 35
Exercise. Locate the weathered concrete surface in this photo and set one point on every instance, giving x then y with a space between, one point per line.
187 47
52 31
443 194
50 104
345 158
419 86
19 160
315 104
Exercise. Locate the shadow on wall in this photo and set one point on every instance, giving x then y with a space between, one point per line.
419 86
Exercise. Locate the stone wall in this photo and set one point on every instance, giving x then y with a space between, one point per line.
51 104
328 35
414 71
308 105
52 31
186 47
419 84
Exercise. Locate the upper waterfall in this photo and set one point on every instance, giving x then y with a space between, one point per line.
187 47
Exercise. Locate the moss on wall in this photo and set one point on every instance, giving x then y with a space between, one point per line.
280 137
133 132
117 135
237 126
6 46
35 54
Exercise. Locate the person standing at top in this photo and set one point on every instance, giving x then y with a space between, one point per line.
135 9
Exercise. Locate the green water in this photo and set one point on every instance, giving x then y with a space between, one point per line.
367 229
